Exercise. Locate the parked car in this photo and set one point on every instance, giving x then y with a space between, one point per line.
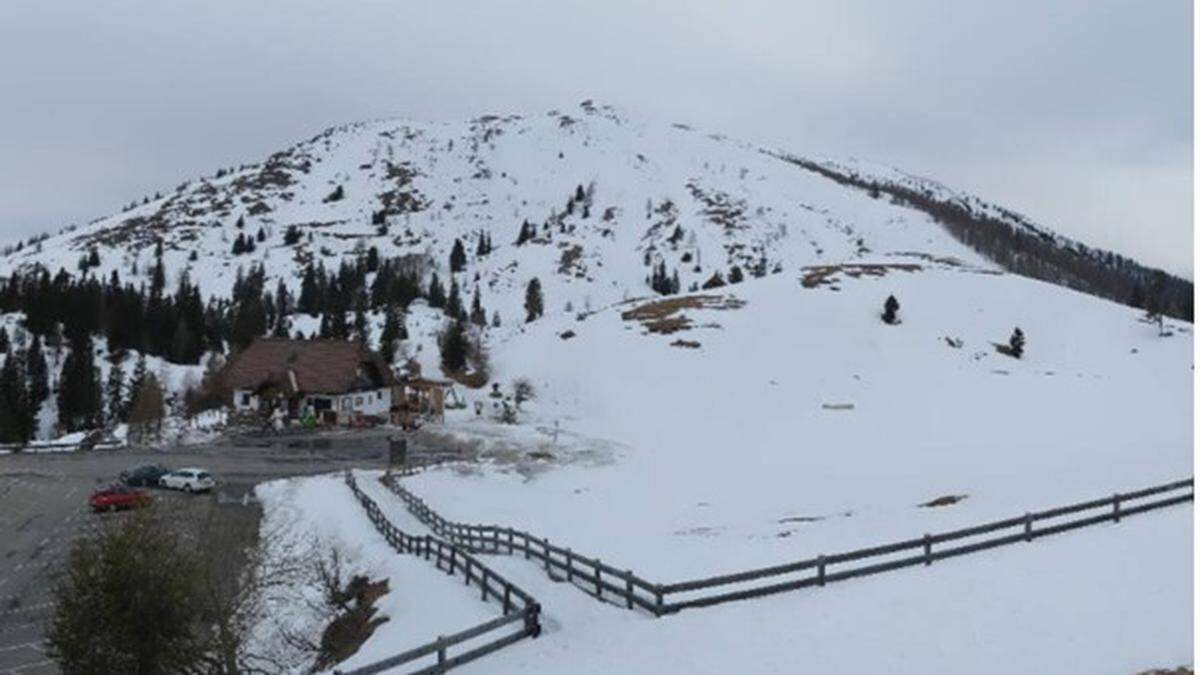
146 475
188 480
117 497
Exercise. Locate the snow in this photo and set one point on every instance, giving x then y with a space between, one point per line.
790 423
1110 599
305 516
1106 599
689 462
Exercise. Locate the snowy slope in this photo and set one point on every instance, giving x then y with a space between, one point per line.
437 182
684 462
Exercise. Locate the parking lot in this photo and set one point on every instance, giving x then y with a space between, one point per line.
43 508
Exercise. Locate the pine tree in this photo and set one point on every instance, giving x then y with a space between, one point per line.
114 394
1016 343
528 231
890 307
362 330
478 315
437 294
454 347
534 303
309 301
454 306
3 340
16 413
79 397
458 257
139 376
249 322
393 332
496 319
38 374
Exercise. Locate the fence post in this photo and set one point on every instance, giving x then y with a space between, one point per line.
532 626
1028 527
570 566
546 550
658 601
599 591
510 541
821 570
452 561
1117 508
467 570
483 582
928 550
441 652
507 601
629 588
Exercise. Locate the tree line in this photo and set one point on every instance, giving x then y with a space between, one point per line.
1023 249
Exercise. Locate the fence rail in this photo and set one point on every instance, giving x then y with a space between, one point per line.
609 583
518 607
603 581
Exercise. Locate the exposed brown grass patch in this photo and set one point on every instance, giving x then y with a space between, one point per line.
822 275
666 316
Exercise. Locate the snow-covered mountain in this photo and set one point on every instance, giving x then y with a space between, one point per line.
701 203
606 204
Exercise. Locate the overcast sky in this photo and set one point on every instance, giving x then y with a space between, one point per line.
1077 113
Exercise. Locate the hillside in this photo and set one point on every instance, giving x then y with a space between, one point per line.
712 385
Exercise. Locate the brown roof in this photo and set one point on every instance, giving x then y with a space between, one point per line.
318 366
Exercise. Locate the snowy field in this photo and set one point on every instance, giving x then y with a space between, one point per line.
1108 599
682 462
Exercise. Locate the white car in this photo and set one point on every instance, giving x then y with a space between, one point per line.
188 480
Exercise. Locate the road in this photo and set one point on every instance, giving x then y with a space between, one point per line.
43 508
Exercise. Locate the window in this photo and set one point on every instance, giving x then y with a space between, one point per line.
245 399
379 396
357 400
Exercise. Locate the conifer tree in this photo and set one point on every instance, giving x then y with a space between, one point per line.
454 347
478 316
16 413
458 257
437 294
890 307
454 306
1016 343
393 332
114 394
38 374
362 331
79 397
534 303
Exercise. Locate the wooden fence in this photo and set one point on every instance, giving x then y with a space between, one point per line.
518 607
608 583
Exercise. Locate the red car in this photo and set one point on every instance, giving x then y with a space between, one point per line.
116 497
